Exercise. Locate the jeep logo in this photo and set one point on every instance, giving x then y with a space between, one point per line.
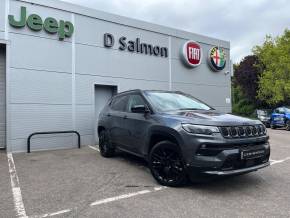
50 25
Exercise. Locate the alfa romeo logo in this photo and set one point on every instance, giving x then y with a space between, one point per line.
191 53
217 58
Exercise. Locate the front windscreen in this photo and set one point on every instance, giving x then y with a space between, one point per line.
170 101
287 110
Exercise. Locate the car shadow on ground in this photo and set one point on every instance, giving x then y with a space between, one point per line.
215 185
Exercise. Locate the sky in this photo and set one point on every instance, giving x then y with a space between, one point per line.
244 23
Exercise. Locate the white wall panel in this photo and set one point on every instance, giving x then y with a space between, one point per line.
199 75
2 15
212 95
29 118
44 143
114 63
30 86
94 34
85 119
40 53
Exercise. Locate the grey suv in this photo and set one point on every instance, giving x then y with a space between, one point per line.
181 137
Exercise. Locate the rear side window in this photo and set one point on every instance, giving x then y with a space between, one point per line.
119 103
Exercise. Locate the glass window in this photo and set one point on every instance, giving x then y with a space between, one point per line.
167 101
119 103
281 110
135 100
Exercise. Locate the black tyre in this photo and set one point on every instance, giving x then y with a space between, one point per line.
272 125
166 164
106 147
288 125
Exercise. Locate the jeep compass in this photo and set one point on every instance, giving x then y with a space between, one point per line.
181 137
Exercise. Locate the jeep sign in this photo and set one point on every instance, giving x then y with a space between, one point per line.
50 25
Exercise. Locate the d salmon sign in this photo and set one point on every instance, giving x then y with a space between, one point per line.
217 58
191 53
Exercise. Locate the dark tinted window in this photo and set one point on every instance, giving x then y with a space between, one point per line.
135 100
119 103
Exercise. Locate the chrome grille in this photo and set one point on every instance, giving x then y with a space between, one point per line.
243 131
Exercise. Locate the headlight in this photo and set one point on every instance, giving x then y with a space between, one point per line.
200 129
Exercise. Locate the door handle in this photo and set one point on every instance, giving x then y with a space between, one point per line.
108 114
125 117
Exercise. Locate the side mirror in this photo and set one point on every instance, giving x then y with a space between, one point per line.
140 109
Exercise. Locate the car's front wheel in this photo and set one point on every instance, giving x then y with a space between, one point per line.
166 164
105 146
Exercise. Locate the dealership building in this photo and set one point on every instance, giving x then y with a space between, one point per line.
60 63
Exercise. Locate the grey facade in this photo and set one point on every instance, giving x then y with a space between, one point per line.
57 85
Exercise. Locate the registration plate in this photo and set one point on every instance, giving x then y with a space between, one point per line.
252 154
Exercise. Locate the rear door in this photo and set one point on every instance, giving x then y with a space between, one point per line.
116 116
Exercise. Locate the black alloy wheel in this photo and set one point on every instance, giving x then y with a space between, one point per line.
106 148
166 164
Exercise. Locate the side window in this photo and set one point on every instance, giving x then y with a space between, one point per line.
135 100
281 110
119 103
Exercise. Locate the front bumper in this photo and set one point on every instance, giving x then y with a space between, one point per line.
223 156
238 171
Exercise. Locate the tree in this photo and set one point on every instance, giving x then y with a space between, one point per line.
274 63
246 77
241 105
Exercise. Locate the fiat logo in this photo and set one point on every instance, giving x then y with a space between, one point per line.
191 53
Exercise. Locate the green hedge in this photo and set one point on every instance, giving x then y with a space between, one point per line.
241 105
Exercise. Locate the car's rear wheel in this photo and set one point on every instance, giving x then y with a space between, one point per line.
105 146
288 125
166 164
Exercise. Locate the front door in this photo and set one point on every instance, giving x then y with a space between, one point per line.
135 125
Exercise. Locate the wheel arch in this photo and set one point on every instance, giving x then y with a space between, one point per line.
159 134
101 128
